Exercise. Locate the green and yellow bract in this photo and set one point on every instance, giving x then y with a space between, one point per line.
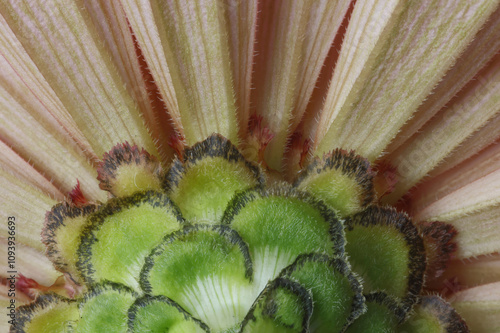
211 246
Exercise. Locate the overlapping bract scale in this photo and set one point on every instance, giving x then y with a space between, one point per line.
216 249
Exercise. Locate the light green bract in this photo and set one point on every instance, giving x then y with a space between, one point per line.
212 246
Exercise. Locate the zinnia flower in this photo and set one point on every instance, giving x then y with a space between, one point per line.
227 165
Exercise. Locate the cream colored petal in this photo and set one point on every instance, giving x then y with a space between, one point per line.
68 53
28 207
484 46
472 109
478 232
141 19
5 302
366 26
4 297
29 103
475 196
428 198
28 262
113 27
195 41
480 307
20 77
309 122
242 20
19 168
467 197
293 42
471 146
45 150
394 53
474 271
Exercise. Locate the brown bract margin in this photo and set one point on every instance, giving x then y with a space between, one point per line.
388 216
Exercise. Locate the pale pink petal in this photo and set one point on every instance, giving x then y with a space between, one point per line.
430 192
25 205
478 232
310 120
140 16
75 63
196 47
114 29
294 38
473 272
19 168
482 138
466 196
484 46
58 160
29 262
21 78
35 124
480 307
472 109
394 53
242 20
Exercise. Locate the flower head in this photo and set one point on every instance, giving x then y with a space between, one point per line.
234 162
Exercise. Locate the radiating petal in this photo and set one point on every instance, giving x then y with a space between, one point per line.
194 37
472 109
114 29
428 199
141 19
27 205
20 77
486 136
293 42
68 53
478 232
28 262
310 120
467 197
35 124
242 20
19 168
394 52
480 307
474 271
57 159
484 46
5 302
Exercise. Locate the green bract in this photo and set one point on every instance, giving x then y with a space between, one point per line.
211 247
